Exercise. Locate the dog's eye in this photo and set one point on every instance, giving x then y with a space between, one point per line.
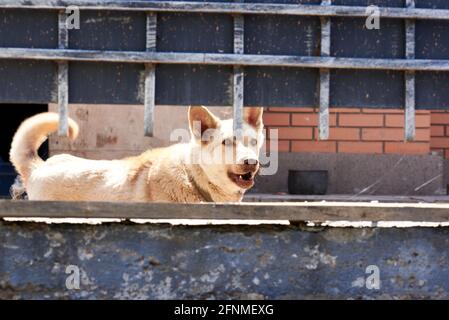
253 142
227 142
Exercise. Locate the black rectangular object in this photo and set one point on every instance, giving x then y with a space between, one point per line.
432 4
101 83
282 35
109 30
28 28
432 39
287 87
350 38
367 88
26 81
193 84
193 32
432 90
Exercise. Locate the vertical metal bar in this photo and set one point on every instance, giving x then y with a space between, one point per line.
410 96
150 76
238 82
323 119
63 76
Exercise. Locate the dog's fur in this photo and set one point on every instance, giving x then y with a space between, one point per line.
184 172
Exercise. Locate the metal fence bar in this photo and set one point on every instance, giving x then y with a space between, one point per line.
323 119
239 76
63 76
410 98
231 8
225 59
150 76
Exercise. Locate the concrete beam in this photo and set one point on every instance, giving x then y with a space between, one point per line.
148 261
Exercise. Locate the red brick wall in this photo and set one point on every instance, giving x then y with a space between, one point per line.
439 141
356 131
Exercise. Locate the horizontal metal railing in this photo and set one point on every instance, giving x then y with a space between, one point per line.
232 8
225 59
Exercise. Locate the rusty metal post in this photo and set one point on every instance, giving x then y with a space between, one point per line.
323 119
150 76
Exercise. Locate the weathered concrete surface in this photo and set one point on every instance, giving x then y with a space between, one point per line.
363 174
146 261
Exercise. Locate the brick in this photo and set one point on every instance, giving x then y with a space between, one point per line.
337 133
305 119
436 111
360 147
276 119
314 146
310 119
345 110
392 134
392 111
384 111
382 134
407 147
440 118
286 109
293 133
439 142
446 153
283 145
360 120
397 120
437 131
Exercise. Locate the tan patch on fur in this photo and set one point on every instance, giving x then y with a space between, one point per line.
135 173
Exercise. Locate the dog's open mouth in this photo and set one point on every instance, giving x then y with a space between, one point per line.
243 180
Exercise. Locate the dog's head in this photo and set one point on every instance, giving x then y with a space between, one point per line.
229 162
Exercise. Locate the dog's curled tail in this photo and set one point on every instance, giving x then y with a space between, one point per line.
29 137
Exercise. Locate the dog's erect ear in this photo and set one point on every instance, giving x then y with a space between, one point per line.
200 120
253 116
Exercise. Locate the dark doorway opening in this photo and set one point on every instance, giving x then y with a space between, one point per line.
11 115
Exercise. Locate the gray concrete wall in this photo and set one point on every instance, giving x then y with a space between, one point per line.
149 261
367 174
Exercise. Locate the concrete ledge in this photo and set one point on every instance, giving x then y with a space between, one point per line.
293 211
149 261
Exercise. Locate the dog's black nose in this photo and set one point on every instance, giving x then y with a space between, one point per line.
250 161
